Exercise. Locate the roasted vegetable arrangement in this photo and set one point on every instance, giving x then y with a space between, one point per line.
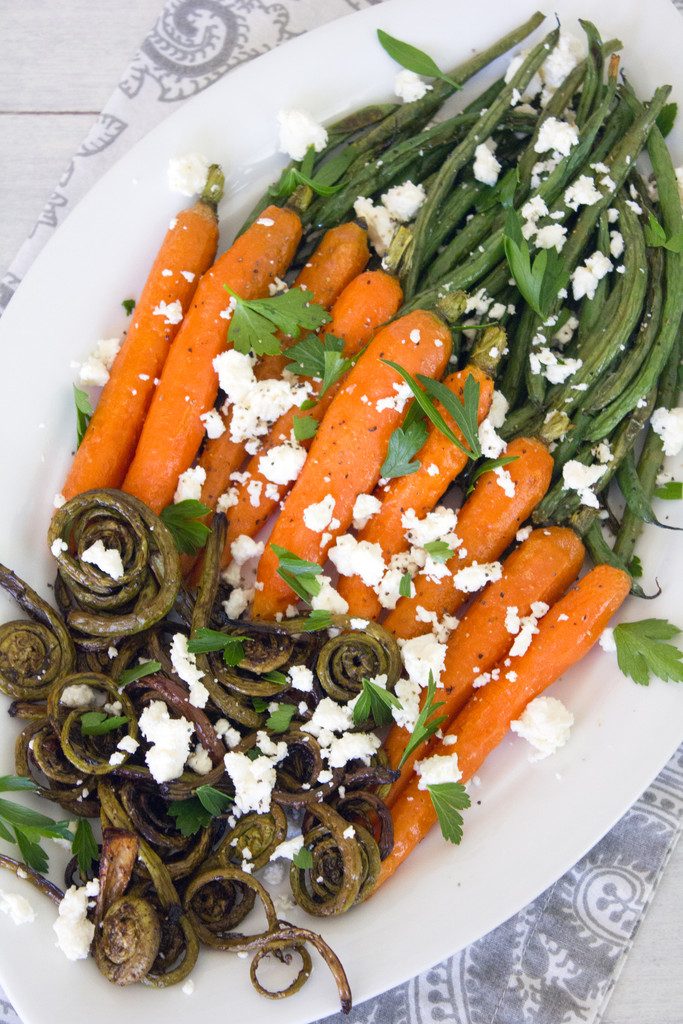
219 701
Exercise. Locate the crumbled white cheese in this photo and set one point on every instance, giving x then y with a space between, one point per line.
301 678
668 425
169 739
128 744
438 524
200 761
379 222
403 201
213 424
523 534
78 695
410 87
616 244
244 548
486 167
437 769
189 486
235 374
254 780
580 478
171 311
603 452
238 601
288 848
263 404
552 236
585 278
352 746
318 515
582 193
329 600
421 656
73 929
58 501
607 641
364 508
474 577
556 135
408 693
185 666
352 557
398 400
505 481
524 629
545 723
94 372
282 463
17 907
187 174
225 731
108 560
556 369
297 131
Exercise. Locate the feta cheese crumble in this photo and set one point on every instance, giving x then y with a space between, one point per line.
213 424
297 131
556 135
107 560
379 222
352 557
421 656
668 425
486 167
171 311
364 508
318 515
580 478
94 372
169 739
73 929
474 577
410 87
189 486
545 723
404 200
437 769
187 174
17 907
185 666
282 463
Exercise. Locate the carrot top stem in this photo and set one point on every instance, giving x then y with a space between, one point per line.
212 192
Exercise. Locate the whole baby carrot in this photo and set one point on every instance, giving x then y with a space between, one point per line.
565 635
188 249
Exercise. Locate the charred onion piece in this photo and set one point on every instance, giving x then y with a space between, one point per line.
101 606
33 652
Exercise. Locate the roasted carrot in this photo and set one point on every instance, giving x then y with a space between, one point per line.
540 569
188 387
188 249
342 255
350 446
365 304
440 463
487 524
565 634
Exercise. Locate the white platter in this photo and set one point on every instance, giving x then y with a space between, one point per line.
534 821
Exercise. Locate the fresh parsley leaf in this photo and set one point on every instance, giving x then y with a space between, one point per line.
197 811
84 411
405 586
183 519
425 726
308 404
404 443
375 702
464 413
320 358
503 192
25 827
439 550
642 651
203 641
666 117
670 491
32 852
540 281
635 567
98 723
275 677
409 57
655 236
214 800
305 427
128 305
298 574
487 466
426 404
255 322
130 675
260 704
303 858
280 719
318 619
449 798
84 846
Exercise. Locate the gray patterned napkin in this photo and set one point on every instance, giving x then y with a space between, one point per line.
559 958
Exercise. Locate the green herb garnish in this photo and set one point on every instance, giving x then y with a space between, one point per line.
183 519
128 305
655 236
197 811
321 359
375 702
404 443
25 827
503 192
666 117
413 59
300 575
405 586
448 799
438 550
84 847
255 322
84 411
425 727
303 858
540 281
642 651
670 491
281 719
98 723
305 427
635 568
130 675
204 641
487 466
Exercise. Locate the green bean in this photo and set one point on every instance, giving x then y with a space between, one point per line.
602 554
593 78
638 502
592 308
651 460
602 346
672 309
610 389
458 204
465 150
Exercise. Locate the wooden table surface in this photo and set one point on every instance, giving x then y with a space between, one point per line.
58 65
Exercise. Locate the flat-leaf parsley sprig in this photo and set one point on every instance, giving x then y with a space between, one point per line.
425 726
205 641
321 359
374 703
642 651
448 799
255 322
184 520
24 827
540 281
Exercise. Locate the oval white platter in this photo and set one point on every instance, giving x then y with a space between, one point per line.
530 822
